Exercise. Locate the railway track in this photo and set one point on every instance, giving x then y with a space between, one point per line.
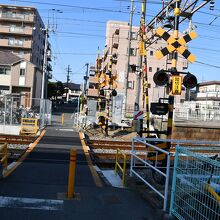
106 150
102 150
17 139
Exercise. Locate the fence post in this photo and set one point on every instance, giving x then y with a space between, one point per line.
72 173
174 179
62 119
167 183
132 157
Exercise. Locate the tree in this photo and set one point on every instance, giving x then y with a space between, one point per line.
55 89
51 90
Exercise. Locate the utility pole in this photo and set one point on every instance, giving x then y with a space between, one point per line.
44 64
128 61
86 77
174 70
68 75
142 53
67 81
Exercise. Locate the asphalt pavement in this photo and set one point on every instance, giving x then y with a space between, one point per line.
36 190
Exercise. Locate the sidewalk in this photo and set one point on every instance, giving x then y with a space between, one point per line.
35 190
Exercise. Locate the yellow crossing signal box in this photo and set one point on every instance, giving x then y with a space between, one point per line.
177 85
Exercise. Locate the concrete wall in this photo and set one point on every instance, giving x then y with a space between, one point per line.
196 133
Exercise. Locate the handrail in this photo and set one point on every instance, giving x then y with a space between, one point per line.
117 165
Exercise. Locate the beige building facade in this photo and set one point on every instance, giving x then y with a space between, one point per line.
22 32
117 44
19 77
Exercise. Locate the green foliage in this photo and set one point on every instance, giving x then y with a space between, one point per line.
55 89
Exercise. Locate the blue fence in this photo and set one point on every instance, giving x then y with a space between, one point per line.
196 183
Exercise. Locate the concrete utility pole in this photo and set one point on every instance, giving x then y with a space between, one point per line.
86 77
67 81
68 75
44 63
128 61
174 69
142 51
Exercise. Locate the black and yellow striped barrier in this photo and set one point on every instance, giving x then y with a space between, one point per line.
175 45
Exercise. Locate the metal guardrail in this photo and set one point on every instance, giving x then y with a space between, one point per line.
148 164
3 156
29 126
196 183
117 165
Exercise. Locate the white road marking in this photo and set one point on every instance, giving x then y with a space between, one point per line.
31 203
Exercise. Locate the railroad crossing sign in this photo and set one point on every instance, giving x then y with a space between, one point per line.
176 85
138 115
175 45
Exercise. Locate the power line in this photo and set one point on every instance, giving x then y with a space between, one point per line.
75 6
207 64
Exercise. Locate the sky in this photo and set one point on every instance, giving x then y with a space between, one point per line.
77 29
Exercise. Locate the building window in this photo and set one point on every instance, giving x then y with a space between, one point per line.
5 70
130 84
170 56
151 52
132 68
133 52
22 72
150 69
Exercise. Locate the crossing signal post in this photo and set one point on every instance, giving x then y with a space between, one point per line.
172 78
107 90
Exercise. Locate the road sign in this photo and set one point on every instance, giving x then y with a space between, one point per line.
138 115
176 85
175 45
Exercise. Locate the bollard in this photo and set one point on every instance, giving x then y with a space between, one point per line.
72 172
62 119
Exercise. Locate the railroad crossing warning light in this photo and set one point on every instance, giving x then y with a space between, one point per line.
212 5
161 78
114 92
189 81
101 120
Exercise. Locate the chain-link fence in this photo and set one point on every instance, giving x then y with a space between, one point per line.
196 183
12 109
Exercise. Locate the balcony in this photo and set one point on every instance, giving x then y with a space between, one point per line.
15 43
114 58
17 17
115 42
49 56
93 79
117 31
15 30
49 67
49 75
93 92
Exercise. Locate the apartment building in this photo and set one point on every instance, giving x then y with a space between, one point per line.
22 32
19 77
117 43
208 93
